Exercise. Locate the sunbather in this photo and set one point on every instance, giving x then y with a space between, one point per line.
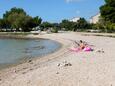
81 45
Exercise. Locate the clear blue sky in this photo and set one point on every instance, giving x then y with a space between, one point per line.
54 10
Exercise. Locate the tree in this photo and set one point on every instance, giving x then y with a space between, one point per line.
66 24
12 11
108 11
46 25
73 26
36 21
82 23
4 23
24 22
17 18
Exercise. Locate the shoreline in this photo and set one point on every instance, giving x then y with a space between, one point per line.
65 68
20 67
26 60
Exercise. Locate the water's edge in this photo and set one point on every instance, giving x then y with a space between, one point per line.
24 60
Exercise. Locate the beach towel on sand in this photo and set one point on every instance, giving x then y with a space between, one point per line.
87 49
78 49
75 49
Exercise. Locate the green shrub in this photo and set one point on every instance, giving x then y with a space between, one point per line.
54 30
110 27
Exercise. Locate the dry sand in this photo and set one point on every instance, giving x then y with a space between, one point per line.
66 68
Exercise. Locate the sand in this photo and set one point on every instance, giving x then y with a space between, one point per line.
66 68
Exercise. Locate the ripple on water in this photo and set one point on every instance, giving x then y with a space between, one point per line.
13 51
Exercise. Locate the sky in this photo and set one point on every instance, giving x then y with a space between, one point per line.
54 10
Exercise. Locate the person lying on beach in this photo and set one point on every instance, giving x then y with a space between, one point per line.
81 45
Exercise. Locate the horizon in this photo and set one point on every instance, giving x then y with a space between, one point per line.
54 11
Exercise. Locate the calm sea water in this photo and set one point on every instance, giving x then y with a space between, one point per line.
16 50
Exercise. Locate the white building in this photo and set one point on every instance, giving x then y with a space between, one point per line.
75 19
95 19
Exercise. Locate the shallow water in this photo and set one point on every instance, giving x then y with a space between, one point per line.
15 50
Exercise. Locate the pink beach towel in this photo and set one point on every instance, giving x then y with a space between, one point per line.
75 49
87 49
78 49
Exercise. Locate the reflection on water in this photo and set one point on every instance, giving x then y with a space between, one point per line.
13 50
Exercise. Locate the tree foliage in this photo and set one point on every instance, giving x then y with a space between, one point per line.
108 11
46 25
66 24
82 23
17 18
4 23
73 26
12 11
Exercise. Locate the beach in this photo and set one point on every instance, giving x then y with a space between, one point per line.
64 67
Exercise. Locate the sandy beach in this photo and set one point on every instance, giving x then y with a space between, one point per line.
67 68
